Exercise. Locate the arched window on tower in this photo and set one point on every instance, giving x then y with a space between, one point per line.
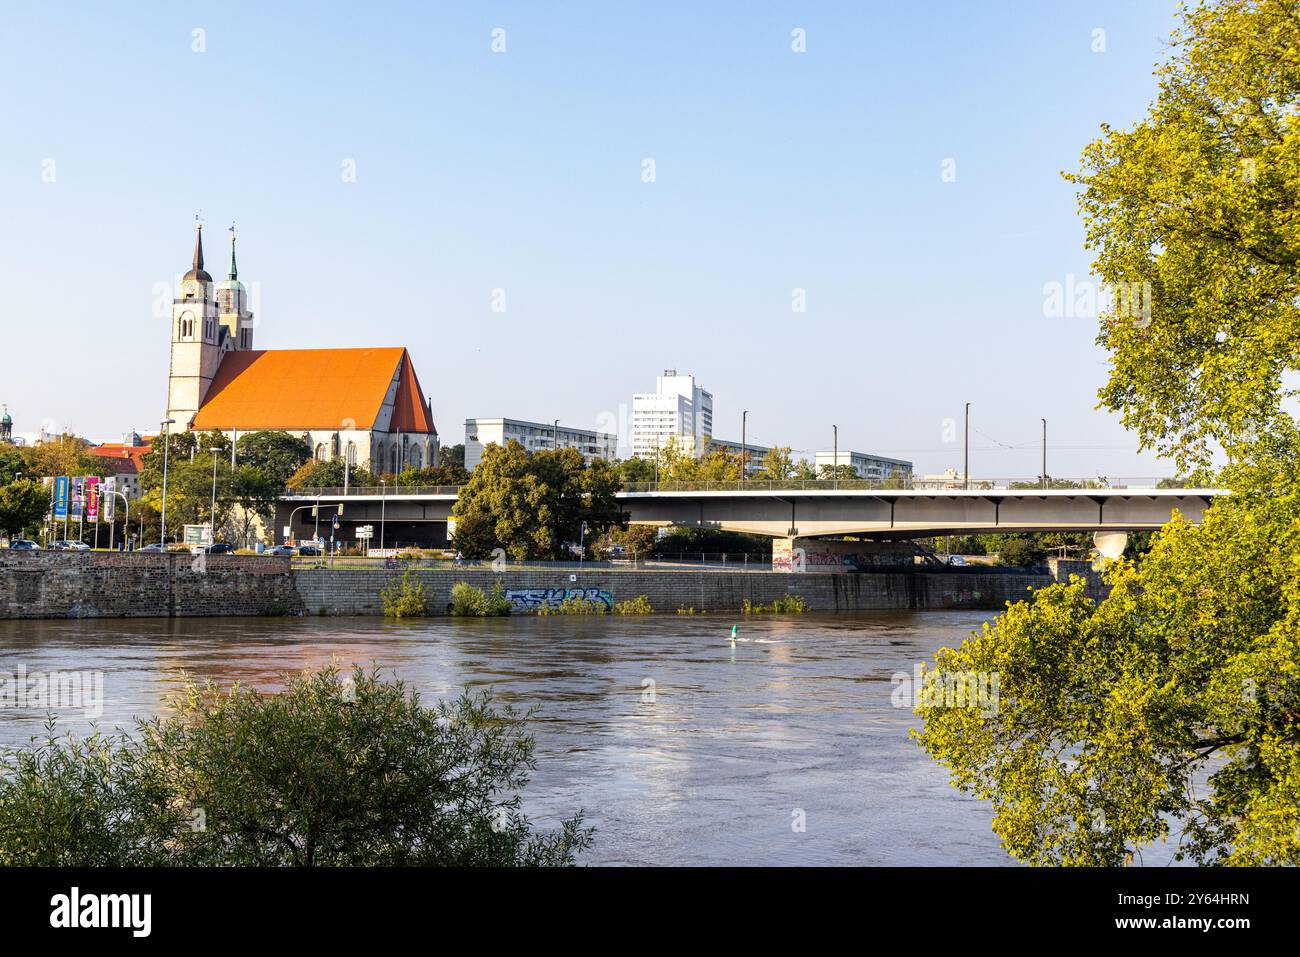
415 457
334 446
320 451
392 457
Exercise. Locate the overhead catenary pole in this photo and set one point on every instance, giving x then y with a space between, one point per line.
162 533
1044 453
835 455
744 416
212 512
965 467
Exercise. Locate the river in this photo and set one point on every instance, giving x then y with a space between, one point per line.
681 748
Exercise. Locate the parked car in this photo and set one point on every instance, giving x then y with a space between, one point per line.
151 547
957 560
71 546
279 550
218 548
23 545
309 550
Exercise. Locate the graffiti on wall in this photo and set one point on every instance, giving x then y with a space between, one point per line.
530 599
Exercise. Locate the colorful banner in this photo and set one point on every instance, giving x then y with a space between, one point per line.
77 502
61 497
92 498
110 498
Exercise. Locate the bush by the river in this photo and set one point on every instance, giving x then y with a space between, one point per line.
788 604
468 601
574 605
405 598
640 605
335 770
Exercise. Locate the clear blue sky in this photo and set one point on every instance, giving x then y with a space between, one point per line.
522 171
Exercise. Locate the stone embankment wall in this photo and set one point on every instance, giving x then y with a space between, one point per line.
143 585
356 591
117 585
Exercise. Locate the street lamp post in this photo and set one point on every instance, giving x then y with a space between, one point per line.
126 519
212 511
744 416
965 466
555 436
835 456
1044 453
162 533
383 504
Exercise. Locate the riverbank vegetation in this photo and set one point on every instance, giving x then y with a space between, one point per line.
335 770
467 601
1171 709
405 597
574 605
781 605
640 605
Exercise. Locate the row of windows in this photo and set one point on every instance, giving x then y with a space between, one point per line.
391 458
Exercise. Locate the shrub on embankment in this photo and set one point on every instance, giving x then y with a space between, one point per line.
470 602
405 598
335 770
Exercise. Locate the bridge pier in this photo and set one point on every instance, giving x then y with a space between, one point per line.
833 556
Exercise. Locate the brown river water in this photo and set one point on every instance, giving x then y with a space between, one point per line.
732 749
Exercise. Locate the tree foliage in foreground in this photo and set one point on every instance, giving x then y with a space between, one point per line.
1171 710
333 770
1177 698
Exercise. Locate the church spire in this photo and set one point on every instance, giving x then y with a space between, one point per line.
234 270
198 272
198 249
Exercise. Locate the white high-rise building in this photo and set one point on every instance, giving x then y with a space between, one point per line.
536 437
679 410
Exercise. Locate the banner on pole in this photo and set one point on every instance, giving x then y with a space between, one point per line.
61 497
110 498
92 498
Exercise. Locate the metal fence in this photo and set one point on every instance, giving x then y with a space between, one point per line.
797 485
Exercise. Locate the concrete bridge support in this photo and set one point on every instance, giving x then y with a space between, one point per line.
831 556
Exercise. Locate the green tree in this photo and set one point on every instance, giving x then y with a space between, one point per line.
278 454
1110 714
778 466
13 463
23 504
533 506
335 770
64 454
804 471
1193 211
636 470
452 455
436 475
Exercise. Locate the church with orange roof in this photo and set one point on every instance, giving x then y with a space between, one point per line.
364 405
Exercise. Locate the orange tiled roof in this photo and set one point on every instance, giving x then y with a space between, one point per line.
124 459
312 389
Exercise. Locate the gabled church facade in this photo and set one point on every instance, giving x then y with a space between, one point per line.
363 404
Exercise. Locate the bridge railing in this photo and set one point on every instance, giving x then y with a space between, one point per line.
381 490
792 485
915 484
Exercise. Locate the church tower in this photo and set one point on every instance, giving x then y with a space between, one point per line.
196 349
232 308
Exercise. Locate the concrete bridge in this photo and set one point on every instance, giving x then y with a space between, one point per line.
811 510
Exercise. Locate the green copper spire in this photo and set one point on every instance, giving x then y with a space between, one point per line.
234 270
